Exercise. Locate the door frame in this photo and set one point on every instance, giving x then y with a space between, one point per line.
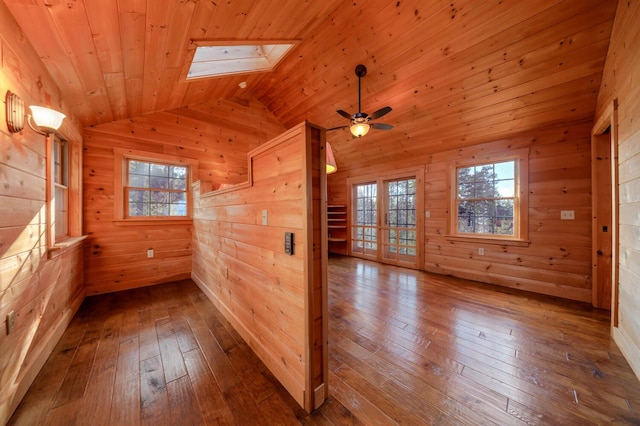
379 179
605 191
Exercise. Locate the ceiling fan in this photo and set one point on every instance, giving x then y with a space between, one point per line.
361 121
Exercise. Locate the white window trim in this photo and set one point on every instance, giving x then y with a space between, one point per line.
521 205
119 178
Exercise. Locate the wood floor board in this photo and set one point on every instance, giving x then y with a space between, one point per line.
184 335
210 400
170 353
183 403
125 403
77 376
154 402
405 347
149 347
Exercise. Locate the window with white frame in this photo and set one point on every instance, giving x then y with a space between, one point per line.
490 198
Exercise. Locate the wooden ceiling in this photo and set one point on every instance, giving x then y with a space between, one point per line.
455 72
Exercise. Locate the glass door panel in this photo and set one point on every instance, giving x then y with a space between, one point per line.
364 228
399 226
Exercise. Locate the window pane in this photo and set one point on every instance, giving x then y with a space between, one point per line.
178 172
177 209
178 198
159 170
136 196
138 181
178 184
159 182
156 209
139 209
138 167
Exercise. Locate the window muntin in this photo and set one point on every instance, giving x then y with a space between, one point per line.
155 189
487 201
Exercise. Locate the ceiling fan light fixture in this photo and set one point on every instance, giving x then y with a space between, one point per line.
358 130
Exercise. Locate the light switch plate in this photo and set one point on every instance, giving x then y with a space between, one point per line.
265 217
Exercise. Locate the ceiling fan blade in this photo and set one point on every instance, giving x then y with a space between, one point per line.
344 114
339 127
379 113
381 126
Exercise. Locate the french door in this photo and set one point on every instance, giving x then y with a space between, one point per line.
386 218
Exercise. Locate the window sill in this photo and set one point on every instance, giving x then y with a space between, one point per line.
490 240
154 221
62 246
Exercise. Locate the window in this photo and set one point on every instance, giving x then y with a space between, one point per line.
487 198
61 188
213 59
63 195
152 187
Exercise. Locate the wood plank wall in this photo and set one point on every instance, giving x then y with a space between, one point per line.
276 301
620 82
218 134
558 259
43 292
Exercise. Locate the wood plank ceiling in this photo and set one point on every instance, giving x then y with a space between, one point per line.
455 72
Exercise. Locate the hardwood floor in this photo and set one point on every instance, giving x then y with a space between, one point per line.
405 347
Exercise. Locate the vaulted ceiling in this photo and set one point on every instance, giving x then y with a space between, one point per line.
455 72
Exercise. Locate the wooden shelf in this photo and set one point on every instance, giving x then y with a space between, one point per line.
337 226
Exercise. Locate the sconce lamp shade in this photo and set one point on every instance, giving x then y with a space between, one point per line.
48 120
331 160
359 129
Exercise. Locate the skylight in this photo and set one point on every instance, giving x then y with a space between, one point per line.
217 60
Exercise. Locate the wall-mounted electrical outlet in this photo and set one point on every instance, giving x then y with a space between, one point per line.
150 253
11 322
480 251
567 215
427 213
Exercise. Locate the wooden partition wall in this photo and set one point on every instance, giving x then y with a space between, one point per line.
275 300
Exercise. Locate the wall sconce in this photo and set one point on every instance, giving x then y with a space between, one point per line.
331 160
47 120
